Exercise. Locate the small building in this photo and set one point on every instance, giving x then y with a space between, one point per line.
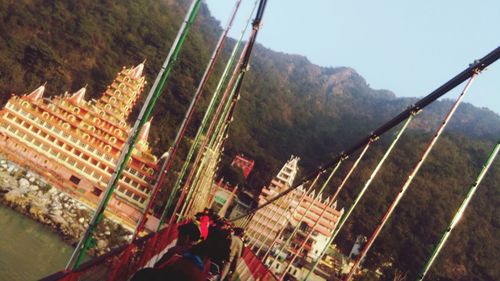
246 165
222 197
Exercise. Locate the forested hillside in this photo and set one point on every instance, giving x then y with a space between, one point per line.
288 106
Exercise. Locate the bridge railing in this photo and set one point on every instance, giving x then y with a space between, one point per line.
121 263
252 268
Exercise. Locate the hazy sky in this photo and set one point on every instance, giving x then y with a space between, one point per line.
408 47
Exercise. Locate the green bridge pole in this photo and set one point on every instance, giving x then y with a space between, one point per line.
154 93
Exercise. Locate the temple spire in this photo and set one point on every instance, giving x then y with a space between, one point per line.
289 171
37 93
119 99
136 72
78 96
143 137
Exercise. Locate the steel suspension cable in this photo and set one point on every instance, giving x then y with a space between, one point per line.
218 154
478 65
306 193
345 216
242 222
154 93
334 197
236 79
228 109
187 117
207 161
460 212
196 167
205 119
211 150
405 186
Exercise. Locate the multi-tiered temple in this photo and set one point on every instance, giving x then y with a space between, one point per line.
75 143
315 217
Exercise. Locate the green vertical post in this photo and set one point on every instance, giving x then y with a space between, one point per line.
151 99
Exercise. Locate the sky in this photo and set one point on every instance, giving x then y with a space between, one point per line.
408 47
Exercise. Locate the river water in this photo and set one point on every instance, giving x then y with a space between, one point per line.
28 249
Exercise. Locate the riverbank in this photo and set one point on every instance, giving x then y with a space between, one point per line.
28 194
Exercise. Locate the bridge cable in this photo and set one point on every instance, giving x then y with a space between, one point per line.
304 242
212 153
346 215
219 132
235 80
274 210
478 65
405 186
353 167
196 168
309 206
182 129
460 212
203 123
302 218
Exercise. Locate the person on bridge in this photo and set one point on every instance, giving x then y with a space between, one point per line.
188 235
196 263
236 251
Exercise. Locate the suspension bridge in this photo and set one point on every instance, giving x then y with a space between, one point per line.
191 191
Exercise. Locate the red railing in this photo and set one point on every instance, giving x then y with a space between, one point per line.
123 262
251 267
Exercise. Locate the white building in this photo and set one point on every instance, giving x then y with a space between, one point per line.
289 212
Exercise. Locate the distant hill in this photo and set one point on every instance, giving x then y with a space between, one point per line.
288 106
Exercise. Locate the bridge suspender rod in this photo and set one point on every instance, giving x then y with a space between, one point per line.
334 197
345 216
182 129
196 168
144 114
204 121
215 143
206 152
460 212
478 65
405 186
280 232
232 91
205 176
346 177
242 67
